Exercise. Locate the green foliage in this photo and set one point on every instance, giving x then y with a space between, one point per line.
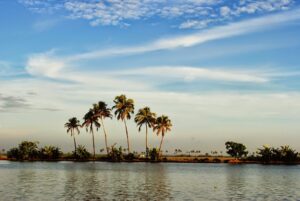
236 150
73 125
145 117
116 154
26 151
14 153
283 154
81 153
154 154
123 107
50 153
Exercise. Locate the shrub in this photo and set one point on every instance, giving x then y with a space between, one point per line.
81 153
116 155
50 153
154 155
283 154
13 153
130 156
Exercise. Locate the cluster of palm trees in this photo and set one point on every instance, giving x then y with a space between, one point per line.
123 110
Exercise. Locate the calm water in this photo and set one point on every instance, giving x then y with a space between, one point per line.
142 181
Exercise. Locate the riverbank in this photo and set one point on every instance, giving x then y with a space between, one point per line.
172 159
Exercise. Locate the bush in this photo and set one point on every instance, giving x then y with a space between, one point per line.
26 151
14 153
81 153
283 154
50 153
116 155
130 156
154 155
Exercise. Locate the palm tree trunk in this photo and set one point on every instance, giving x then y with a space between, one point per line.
147 150
92 131
127 136
104 136
75 145
162 139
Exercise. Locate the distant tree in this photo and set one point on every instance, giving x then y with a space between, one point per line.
147 118
102 111
236 150
162 126
73 126
91 121
124 108
26 150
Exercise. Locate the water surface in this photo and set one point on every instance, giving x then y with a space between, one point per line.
147 181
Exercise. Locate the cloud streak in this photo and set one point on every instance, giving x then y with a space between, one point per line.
217 33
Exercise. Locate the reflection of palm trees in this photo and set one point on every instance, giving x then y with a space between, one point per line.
82 185
152 183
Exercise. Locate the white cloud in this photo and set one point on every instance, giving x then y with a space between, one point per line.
197 24
225 11
44 65
220 32
123 12
193 73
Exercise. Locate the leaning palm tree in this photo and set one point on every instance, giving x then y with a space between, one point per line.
73 126
91 120
102 111
123 109
147 118
162 126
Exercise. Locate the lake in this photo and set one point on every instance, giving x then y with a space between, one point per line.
146 181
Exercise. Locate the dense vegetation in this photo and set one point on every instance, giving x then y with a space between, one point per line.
30 151
266 154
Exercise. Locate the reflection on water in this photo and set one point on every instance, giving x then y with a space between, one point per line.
146 181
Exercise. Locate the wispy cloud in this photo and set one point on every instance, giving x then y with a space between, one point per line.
220 32
196 73
192 13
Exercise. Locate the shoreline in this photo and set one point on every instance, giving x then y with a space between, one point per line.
168 159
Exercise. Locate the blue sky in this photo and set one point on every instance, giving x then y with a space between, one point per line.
221 70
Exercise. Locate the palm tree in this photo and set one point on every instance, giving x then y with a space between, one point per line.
102 111
91 120
147 118
162 126
123 109
73 126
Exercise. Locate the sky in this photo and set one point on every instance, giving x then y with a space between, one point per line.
220 69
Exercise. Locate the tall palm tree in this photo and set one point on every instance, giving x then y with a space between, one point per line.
124 108
147 118
102 111
72 126
91 120
162 126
